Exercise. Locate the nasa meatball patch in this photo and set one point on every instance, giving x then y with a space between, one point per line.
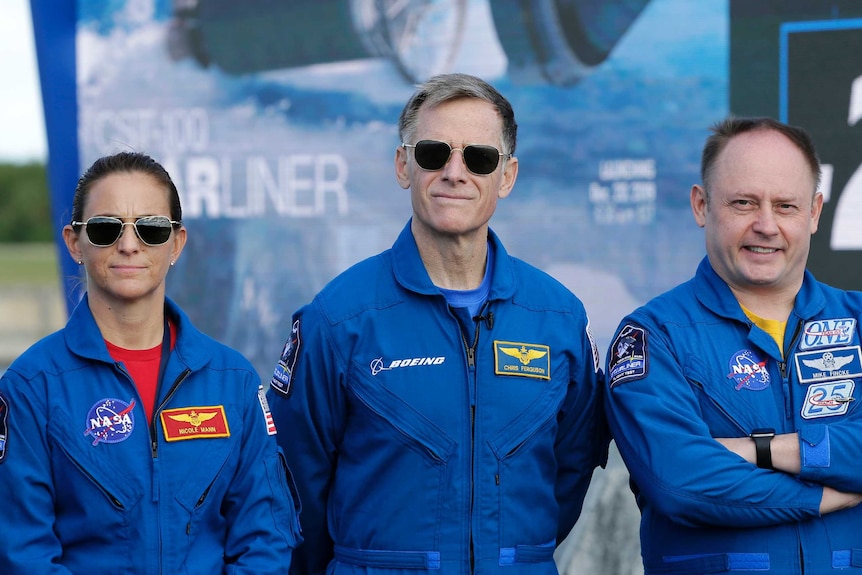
747 370
110 420
628 359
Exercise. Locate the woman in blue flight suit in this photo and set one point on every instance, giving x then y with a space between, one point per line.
132 441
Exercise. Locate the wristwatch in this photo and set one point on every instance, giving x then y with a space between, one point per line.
762 440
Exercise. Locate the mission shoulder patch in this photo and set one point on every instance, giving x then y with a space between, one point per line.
628 359
281 377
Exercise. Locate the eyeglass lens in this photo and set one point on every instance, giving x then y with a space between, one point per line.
152 230
433 155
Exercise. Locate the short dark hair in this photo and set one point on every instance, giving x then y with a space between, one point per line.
125 162
727 129
446 87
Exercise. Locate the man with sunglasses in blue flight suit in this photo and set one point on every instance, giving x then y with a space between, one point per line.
734 397
440 402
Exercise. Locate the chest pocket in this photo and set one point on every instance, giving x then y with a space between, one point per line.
207 460
415 429
391 456
737 406
99 467
535 417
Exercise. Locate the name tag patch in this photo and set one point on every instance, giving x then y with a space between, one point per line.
194 423
524 359
829 364
828 399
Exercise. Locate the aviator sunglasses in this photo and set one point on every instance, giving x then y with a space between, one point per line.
432 155
104 231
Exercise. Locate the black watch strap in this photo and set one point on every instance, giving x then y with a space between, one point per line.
763 446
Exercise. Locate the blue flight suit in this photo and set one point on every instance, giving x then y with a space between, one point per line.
421 445
689 366
92 487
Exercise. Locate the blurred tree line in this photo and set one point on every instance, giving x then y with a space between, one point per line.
25 209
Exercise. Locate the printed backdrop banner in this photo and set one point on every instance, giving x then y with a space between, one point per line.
277 121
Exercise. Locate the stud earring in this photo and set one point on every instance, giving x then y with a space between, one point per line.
172 263
80 262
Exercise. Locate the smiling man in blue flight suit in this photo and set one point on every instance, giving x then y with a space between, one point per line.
734 397
440 402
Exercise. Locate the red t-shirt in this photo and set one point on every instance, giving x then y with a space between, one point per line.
143 366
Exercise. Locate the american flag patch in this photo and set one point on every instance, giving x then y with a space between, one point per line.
267 414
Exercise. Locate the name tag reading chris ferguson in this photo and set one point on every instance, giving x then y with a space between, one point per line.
523 359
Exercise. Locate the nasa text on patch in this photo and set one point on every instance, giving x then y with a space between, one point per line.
628 359
828 364
747 369
208 421
523 359
110 420
287 362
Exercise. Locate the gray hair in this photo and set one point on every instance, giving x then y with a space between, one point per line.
446 87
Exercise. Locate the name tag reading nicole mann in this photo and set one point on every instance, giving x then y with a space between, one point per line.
194 422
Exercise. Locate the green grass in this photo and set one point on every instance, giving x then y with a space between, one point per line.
29 264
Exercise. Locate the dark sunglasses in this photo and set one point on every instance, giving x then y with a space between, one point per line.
104 231
432 155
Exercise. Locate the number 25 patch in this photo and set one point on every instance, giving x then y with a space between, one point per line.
828 399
